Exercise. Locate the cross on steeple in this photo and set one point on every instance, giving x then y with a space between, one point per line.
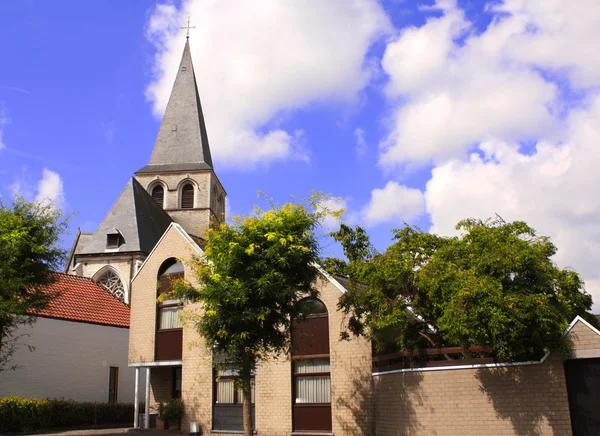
188 27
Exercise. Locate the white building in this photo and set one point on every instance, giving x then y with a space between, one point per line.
80 346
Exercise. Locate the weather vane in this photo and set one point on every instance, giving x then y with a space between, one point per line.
188 27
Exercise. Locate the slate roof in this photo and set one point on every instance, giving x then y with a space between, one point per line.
136 216
182 141
80 299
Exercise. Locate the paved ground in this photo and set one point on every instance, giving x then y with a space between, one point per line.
115 432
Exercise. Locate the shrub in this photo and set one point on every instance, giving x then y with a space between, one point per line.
31 414
171 411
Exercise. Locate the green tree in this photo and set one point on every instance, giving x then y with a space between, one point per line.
495 285
29 252
254 273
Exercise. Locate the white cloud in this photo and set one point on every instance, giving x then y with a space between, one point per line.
452 87
50 188
554 190
361 144
333 205
394 202
560 35
252 64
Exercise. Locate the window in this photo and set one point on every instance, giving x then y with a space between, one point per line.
187 196
169 333
311 374
113 384
313 382
228 401
176 382
158 195
169 317
213 198
114 240
169 310
111 282
220 206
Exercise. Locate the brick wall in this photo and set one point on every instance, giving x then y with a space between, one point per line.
583 338
351 380
351 396
161 385
143 295
273 397
523 400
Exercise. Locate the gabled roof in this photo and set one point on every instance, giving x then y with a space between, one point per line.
136 216
185 235
182 141
80 299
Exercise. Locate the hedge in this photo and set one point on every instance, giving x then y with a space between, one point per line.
31 414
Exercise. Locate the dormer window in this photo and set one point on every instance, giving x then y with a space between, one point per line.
114 239
187 196
158 195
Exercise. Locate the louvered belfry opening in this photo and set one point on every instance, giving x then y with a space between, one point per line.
158 195
187 196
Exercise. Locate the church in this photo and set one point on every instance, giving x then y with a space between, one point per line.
158 222
326 386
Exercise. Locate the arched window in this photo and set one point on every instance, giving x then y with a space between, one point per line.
213 199
158 195
169 337
220 206
311 375
112 283
187 196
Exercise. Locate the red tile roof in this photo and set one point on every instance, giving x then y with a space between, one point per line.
80 299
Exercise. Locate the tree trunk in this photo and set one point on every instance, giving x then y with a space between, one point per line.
247 403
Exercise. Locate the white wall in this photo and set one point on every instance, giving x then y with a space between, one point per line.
71 360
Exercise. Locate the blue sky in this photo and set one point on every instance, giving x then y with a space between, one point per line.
411 111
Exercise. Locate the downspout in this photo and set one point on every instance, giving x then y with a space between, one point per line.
130 277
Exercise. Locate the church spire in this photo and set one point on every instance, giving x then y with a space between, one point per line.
182 142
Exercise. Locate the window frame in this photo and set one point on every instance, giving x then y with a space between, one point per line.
311 416
153 188
113 384
184 190
238 398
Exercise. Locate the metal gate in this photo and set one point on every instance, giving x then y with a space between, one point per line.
583 387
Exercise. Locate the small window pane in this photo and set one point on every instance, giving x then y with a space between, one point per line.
169 318
225 392
311 365
313 389
311 306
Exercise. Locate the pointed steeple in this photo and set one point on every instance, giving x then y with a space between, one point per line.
182 142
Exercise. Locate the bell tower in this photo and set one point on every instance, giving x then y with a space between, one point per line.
180 176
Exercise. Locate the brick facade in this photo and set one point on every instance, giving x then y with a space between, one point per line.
526 399
516 400
351 391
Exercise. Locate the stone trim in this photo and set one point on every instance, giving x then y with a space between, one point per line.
183 233
155 363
